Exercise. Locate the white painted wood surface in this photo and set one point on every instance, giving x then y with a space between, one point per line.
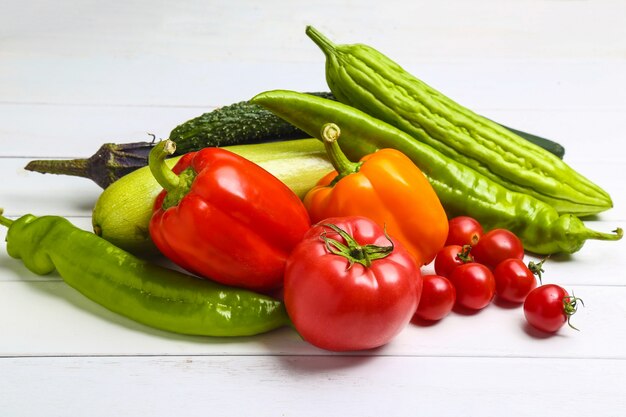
75 74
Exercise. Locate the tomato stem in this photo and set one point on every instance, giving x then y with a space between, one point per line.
352 250
537 269
465 256
570 306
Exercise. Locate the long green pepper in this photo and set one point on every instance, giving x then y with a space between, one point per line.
135 288
462 190
364 78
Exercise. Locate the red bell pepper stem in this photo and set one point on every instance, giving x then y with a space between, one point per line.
161 172
177 186
343 166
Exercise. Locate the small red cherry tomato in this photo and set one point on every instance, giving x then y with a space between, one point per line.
549 307
475 285
514 280
497 245
348 286
449 257
437 300
463 230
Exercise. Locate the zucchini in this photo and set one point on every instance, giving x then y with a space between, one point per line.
238 123
123 210
362 77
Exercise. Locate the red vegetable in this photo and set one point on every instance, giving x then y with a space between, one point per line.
348 286
226 218
497 245
438 297
514 280
474 284
549 307
463 230
450 257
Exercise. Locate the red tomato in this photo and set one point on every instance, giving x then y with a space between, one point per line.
514 280
548 307
496 246
448 258
336 300
475 285
463 230
438 297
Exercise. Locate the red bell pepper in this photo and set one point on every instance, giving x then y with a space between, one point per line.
223 217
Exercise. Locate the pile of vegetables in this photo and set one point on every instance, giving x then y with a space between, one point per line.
318 211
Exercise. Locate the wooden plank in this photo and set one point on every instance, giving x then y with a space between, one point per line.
74 131
310 386
102 81
199 31
48 318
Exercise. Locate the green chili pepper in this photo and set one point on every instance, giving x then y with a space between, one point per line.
462 190
135 288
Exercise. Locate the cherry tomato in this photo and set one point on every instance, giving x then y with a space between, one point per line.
549 307
514 280
497 245
437 300
475 285
463 230
348 287
449 257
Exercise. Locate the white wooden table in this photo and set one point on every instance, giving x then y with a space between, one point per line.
75 74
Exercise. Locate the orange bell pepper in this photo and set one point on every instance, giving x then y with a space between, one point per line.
387 187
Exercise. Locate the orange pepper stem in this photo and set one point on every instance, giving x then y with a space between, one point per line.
344 167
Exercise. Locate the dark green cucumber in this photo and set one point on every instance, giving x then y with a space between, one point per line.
235 124
554 148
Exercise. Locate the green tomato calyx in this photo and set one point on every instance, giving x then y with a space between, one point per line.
570 306
352 250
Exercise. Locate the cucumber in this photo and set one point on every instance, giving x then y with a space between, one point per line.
235 124
123 210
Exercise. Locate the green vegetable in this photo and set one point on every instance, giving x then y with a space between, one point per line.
462 190
152 295
123 210
364 78
238 123
550 146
